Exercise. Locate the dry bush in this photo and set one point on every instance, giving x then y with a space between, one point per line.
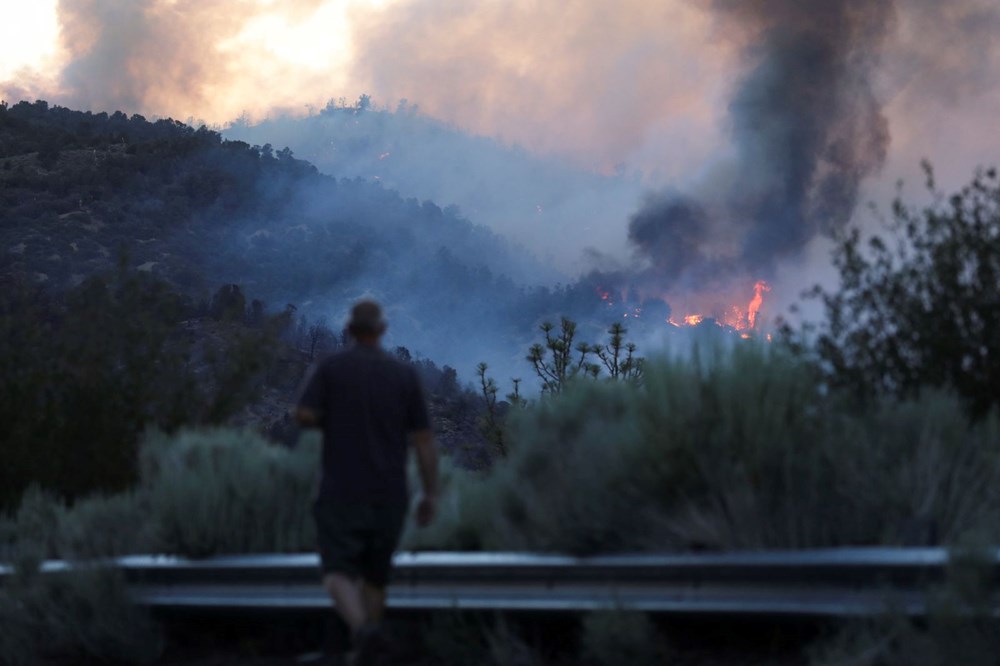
229 491
33 531
468 517
730 449
201 493
78 616
961 626
107 526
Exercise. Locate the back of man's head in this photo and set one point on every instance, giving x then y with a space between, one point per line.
367 320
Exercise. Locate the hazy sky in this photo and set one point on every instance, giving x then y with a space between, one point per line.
604 83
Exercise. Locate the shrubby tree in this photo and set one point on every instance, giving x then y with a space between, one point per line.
919 305
83 374
322 339
557 360
560 358
491 424
228 303
618 356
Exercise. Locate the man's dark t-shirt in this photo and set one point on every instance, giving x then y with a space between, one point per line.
367 402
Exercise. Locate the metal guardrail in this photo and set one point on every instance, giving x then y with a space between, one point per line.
834 582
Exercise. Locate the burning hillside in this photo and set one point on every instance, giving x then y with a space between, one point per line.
746 320
806 129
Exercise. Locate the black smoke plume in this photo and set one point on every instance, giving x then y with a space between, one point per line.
672 229
807 129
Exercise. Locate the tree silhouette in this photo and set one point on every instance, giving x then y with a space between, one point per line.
920 305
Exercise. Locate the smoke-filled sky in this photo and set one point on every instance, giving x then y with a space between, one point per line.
604 83
630 82
685 93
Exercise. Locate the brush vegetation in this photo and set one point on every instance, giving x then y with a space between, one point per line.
744 448
733 449
199 493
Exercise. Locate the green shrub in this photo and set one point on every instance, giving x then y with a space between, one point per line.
617 637
228 491
738 448
569 486
693 457
80 615
201 493
467 518
961 626
35 528
732 447
921 473
107 526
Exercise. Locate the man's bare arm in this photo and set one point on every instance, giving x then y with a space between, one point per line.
427 460
427 464
306 417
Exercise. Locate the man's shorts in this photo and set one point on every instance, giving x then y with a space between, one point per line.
358 539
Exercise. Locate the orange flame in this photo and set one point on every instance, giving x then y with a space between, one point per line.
736 319
694 319
758 300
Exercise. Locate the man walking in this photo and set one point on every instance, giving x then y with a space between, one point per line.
371 408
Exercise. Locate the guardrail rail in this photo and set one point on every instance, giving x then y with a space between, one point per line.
823 583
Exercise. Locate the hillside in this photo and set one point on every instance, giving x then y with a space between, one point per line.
137 260
98 181
557 210
83 191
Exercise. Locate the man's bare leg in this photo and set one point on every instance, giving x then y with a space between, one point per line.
374 600
347 596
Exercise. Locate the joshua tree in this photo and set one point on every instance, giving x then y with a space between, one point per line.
619 356
554 361
491 425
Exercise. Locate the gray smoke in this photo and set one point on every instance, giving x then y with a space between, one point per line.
807 129
672 229
152 56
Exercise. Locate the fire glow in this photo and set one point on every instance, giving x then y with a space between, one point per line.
743 320
758 300
739 319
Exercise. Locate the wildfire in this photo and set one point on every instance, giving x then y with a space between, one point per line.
740 320
758 300
737 318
